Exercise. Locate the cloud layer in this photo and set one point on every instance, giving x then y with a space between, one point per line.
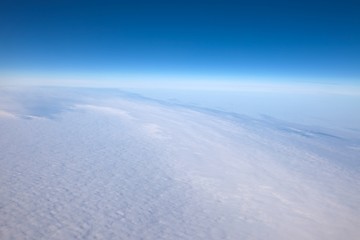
85 164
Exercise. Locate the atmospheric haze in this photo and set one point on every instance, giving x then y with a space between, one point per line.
81 163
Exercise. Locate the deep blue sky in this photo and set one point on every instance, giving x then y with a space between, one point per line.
303 39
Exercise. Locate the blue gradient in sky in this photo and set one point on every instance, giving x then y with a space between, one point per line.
264 39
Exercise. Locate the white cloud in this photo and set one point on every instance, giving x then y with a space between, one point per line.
155 131
5 114
212 176
107 110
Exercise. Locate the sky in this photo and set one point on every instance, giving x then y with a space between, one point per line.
292 41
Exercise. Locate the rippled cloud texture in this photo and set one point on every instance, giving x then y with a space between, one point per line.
90 163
